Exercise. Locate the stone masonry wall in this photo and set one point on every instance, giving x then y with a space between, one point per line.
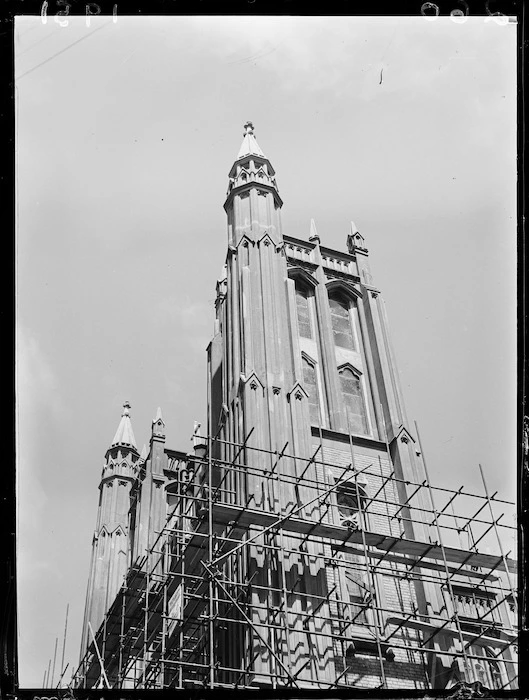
393 591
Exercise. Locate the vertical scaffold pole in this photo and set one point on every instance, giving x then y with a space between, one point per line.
445 563
496 531
99 657
210 558
121 640
369 572
64 639
146 616
181 565
503 556
54 657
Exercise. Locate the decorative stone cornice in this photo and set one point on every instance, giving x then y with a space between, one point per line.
242 190
373 291
109 479
468 691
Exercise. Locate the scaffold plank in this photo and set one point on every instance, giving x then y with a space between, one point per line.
504 640
224 513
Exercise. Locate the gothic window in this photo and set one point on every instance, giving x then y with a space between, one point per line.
302 305
354 401
350 501
341 323
359 596
487 670
348 508
310 381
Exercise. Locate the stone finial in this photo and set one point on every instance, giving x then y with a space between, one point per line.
199 442
126 408
248 128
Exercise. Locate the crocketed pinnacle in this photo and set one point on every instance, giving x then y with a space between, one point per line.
249 144
124 434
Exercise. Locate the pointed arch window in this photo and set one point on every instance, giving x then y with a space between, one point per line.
350 511
488 669
341 323
310 381
303 311
353 395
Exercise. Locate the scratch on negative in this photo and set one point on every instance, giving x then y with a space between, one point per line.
380 83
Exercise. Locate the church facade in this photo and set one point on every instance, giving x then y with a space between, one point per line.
299 544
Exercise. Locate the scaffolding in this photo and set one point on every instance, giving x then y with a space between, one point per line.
265 577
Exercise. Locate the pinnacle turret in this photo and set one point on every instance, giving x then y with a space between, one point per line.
124 434
252 168
355 240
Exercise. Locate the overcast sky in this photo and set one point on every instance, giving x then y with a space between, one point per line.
125 135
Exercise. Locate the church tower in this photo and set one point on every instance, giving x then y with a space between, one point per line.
110 544
301 364
258 397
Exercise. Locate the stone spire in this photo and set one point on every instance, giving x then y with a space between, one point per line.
124 434
249 144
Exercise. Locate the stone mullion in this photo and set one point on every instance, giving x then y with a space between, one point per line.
314 577
232 298
269 337
255 309
392 414
294 330
372 384
395 381
246 321
333 390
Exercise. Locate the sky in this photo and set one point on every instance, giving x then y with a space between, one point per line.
125 133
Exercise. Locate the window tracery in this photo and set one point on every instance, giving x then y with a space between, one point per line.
354 401
341 323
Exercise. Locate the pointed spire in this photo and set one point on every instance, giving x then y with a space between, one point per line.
249 144
158 416
124 434
313 232
144 454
